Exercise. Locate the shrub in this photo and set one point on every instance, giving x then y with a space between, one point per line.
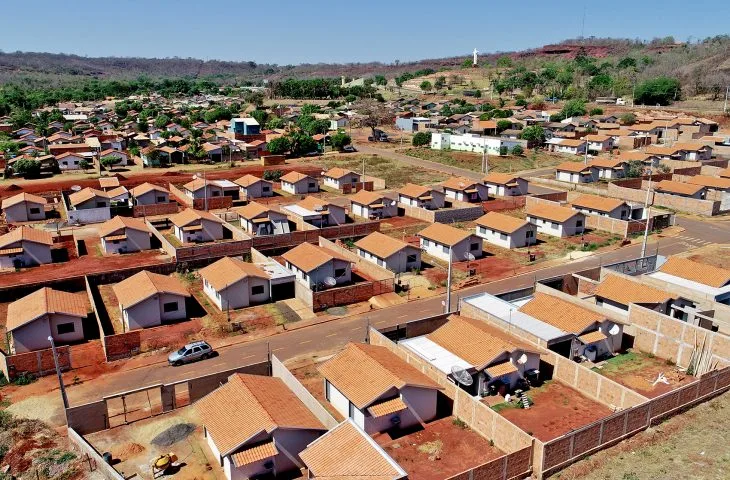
421 138
503 150
596 111
517 150
272 175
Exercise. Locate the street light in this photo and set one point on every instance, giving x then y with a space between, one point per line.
648 216
58 373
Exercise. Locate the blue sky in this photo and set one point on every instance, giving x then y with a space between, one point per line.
291 31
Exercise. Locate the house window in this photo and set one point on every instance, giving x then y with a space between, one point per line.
503 236
482 230
352 410
160 199
339 272
115 242
474 246
311 185
100 204
553 225
169 307
64 328
529 234
216 194
35 211
265 189
411 258
327 391
445 249
257 290
579 223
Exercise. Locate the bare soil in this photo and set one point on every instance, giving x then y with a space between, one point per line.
313 381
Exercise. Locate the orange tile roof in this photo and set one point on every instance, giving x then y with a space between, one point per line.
414 191
697 272
475 341
444 234
625 291
26 234
294 177
560 313
381 245
307 257
364 372
689 146
248 405
228 271
458 183
347 452
143 285
632 155
501 222
108 182
23 197
188 216
678 188
363 197
338 172
592 337
45 301
252 210
596 138
566 142
599 204
710 182
500 178
86 194
553 213
314 203
499 369
147 187
118 223
248 180
387 407
607 162
725 173
575 167
660 150
254 454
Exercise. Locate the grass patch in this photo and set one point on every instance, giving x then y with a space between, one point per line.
395 174
625 362
473 161
433 448
504 406
174 241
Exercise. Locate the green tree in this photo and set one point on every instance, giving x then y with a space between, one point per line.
309 109
504 62
503 150
426 86
260 116
275 122
9 147
272 175
661 91
517 150
301 143
421 139
628 118
533 134
161 121
596 111
108 162
279 146
27 167
440 82
573 108
503 125
350 98
380 80
84 164
340 140
634 168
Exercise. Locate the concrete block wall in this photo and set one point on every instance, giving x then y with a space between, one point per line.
370 269
79 444
169 208
471 311
37 363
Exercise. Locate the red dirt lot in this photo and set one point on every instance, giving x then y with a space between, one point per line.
439 451
557 410
490 267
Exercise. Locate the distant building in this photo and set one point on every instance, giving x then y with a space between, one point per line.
245 126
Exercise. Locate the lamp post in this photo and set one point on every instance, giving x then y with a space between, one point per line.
648 216
58 373
447 306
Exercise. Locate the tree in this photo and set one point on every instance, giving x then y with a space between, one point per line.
279 146
380 80
634 168
661 91
301 143
9 147
426 86
628 118
503 125
573 108
27 167
272 175
504 62
421 138
517 150
350 98
533 134
503 150
84 164
440 82
260 116
340 140
308 109
275 122
596 111
108 162
373 114
161 121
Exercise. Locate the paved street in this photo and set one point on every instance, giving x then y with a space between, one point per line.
324 337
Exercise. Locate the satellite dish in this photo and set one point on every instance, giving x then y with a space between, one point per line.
392 204
330 281
522 360
318 208
76 188
461 376
469 256
614 330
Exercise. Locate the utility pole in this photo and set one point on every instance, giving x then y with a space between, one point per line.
448 286
648 217
58 373
727 91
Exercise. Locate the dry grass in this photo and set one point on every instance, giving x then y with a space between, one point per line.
395 174
473 161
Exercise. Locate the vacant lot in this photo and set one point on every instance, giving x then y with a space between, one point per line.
473 161
444 448
717 255
556 410
639 371
690 445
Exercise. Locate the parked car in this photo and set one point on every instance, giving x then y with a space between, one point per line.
349 149
190 353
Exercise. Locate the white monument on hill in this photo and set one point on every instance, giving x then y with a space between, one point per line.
475 52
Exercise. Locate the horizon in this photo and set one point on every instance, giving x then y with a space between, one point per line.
384 33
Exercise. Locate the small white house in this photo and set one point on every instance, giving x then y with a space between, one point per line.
256 427
710 281
231 283
24 207
149 299
421 197
681 189
339 177
556 220
567 145
317 212
46 313
388 252
505 231
70 161
610 168
254 187
195 226
149 194
258 220
25 247
599 143
372 205
299 183
465 190
440 240
124 235
122 157
377 389
602 206
505 185
576 172
315 266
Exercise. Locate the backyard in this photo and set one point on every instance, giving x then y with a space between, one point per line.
502 164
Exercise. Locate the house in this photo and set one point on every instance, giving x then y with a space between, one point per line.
89 198
317 212
497 362
317 266
339 122
348 452
232 283
254 187
505 231
576 172
200 188
24 207
388 252
681 189
447 242
421 197
556 220
124 235
149 194
377 389
602 206
256 427
694 152
339 177
122 157
711 183
505 185
46 313
192 226
245 126
299 183
567 145
709 280
213 151
617 293
590 334
24 247
599 143
609 168
108 183
372 205
465 190
149 299
413 124
258 220
71 161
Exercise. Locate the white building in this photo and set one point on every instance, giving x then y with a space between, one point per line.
567 145
24 207
149 299
317 212
467 142
505 231
388 252
258 220
149 194
254 187
299 183
231 283
338 178
25 247
576 172
315 265
505 185
440 240
555 220
421 197
708 280
465 190
124 235
195 226
602 206
372 205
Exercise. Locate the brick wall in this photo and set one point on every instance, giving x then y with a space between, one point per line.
350 294
38 363
156 209
213 250
180 196
127 344
614 225
586 286
350 188
213 203
690 205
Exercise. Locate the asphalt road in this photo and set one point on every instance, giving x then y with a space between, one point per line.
322 338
